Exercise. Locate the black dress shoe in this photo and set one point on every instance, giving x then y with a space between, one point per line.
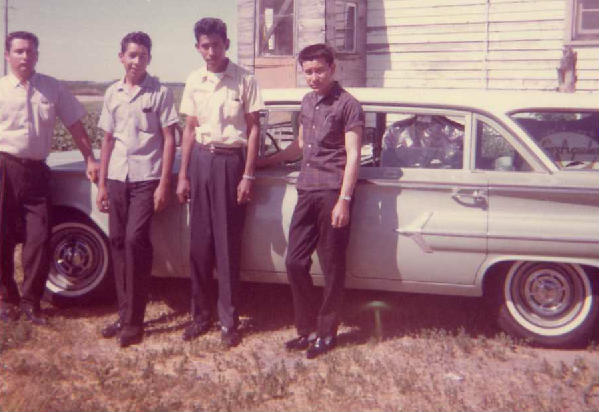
130 336
9 313
322 345
111 330
230 337
195 329
33 315
300 343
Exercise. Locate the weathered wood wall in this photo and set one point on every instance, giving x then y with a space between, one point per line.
310 27
495 44
246 12
351 67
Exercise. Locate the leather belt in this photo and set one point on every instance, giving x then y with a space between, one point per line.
22 161
220 149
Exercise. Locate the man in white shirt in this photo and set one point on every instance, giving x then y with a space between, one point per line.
29 104
137 155
220 144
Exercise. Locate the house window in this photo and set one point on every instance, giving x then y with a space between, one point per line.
345 24
583 21
275 28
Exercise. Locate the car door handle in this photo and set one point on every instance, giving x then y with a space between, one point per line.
470 197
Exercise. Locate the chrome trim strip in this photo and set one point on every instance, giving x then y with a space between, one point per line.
495 189
548 238
414 231
393 181
544 189
454 234
570 239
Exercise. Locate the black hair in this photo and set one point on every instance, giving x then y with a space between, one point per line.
317 51
23 35
210 25
137 37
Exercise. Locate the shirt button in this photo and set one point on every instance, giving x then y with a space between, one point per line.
309 146
313 126
317 107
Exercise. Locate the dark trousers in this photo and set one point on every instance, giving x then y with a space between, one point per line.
129 219
311 226
24 205
216 226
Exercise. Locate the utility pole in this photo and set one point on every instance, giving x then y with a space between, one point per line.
5 28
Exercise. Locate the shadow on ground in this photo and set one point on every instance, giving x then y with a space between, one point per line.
268 307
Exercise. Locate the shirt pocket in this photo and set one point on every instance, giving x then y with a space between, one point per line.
45 109
327 133
233 107
148 120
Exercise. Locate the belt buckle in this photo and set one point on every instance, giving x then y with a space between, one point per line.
212 148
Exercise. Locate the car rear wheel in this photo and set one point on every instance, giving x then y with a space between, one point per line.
79 262
553 304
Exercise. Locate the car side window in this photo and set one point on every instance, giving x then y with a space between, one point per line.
425 141
278 129
569 138
494 152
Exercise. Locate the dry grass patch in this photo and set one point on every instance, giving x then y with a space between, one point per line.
445 356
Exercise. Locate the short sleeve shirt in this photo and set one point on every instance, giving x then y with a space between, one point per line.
220 101
325 120
28 114
136 118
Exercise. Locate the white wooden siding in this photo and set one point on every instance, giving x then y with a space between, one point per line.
505 44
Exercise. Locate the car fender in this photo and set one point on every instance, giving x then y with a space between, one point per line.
493 260
80 196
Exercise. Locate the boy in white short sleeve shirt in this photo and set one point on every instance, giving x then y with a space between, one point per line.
137 155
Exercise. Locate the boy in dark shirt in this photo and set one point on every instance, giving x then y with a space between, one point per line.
332 123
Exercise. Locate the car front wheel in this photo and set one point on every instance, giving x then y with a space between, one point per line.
552 304
79 262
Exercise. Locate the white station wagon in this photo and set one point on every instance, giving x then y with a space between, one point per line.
471 193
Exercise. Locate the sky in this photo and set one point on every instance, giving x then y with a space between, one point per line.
80 39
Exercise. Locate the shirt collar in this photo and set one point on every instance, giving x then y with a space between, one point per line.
229 71
144 83
334 93
15 82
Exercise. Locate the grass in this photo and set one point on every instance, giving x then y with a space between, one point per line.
445 356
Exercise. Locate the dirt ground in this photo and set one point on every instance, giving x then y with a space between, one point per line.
428 353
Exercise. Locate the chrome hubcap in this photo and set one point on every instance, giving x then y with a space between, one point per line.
547 296
74 257
78 259
547 292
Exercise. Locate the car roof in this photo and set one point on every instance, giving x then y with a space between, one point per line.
495 101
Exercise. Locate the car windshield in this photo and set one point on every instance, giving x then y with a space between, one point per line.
570 139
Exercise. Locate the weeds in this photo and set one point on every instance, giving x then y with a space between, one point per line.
14 334
422 368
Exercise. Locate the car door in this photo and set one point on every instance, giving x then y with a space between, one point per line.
420 214
533 212
266 228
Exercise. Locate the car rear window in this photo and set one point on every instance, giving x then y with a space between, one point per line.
571 139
